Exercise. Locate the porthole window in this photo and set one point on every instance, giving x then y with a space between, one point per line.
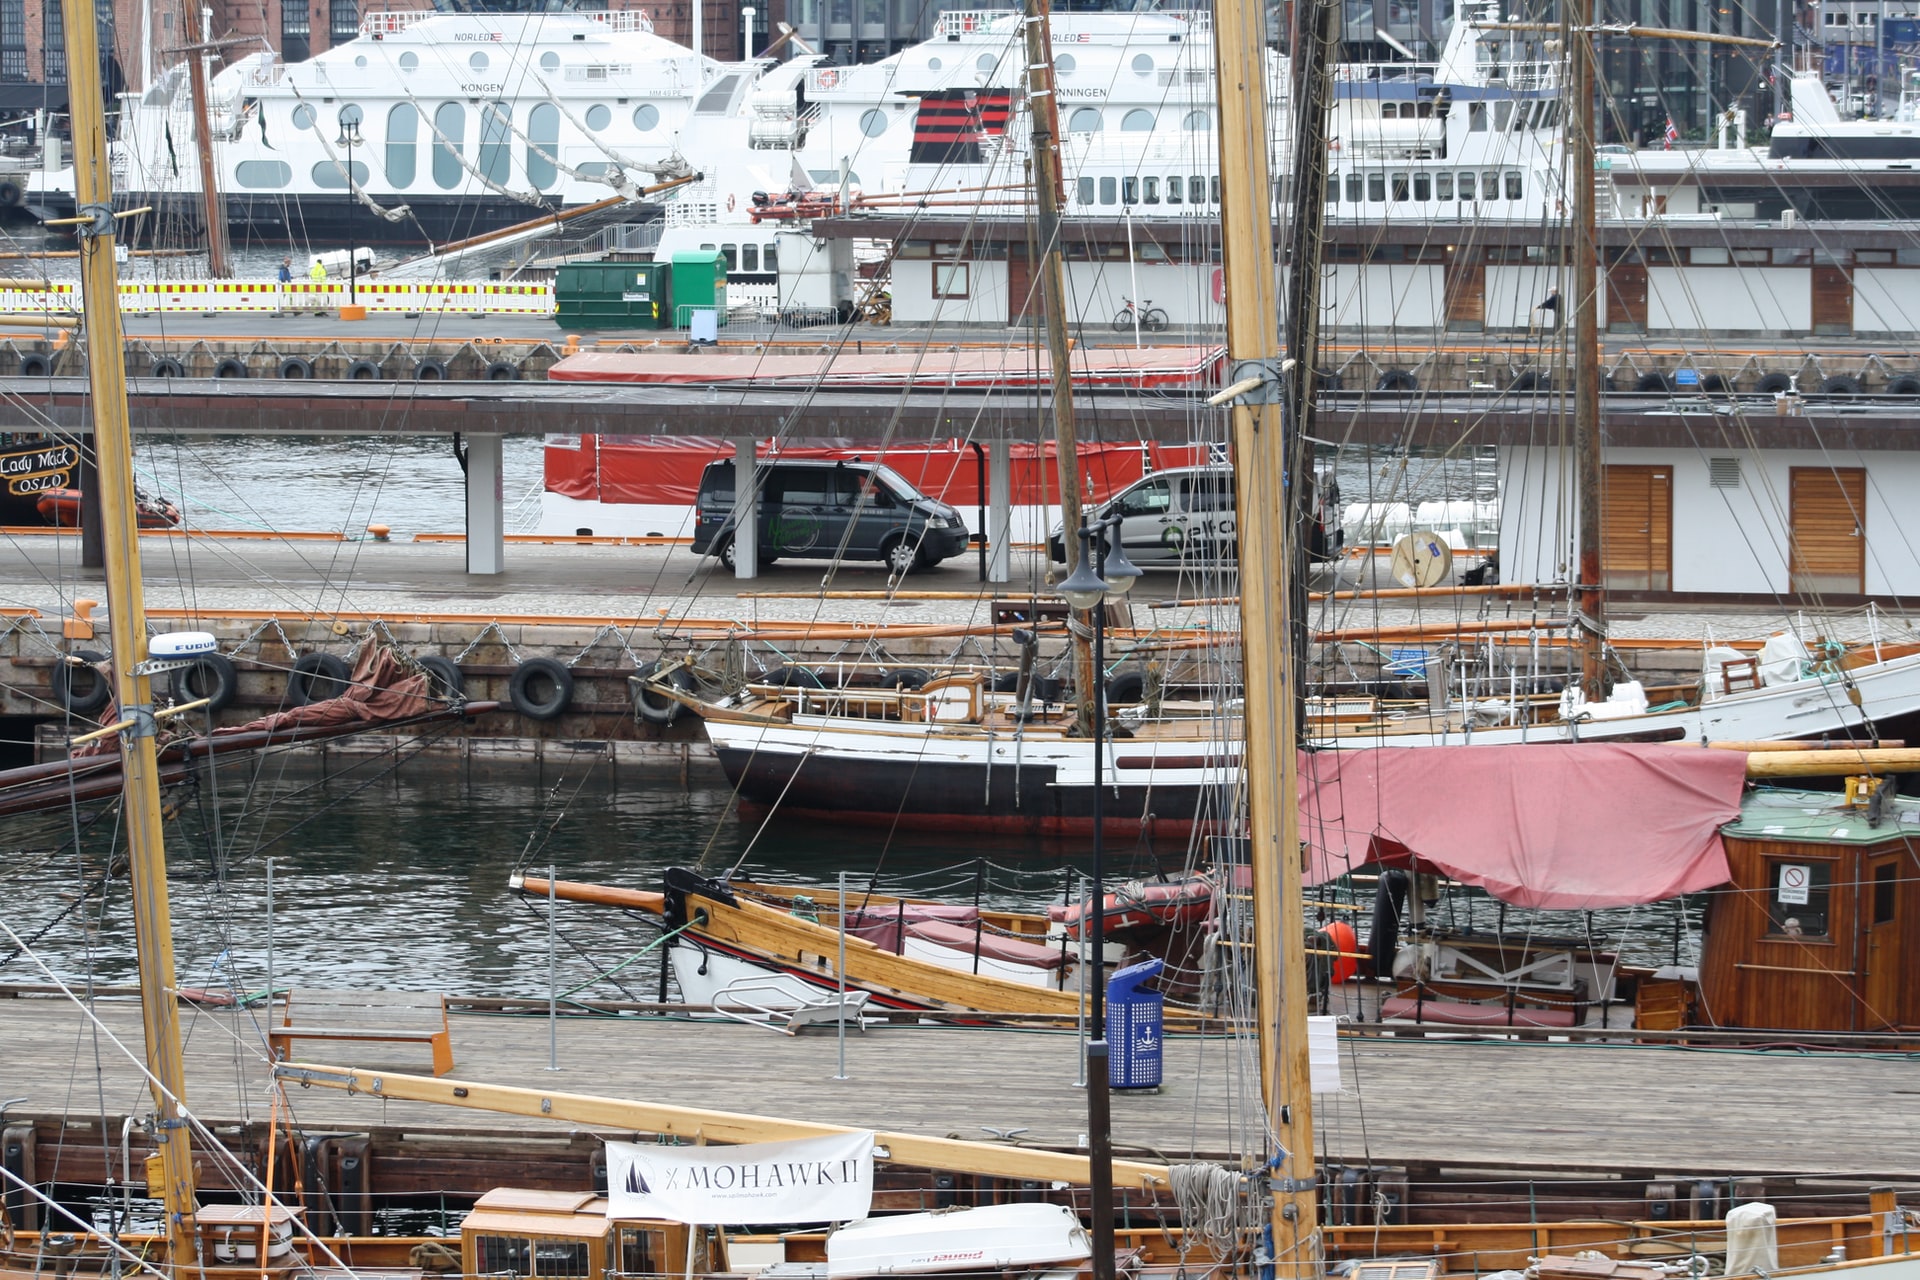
1197 122
360 61
986 62
1138 120
1084 120
1143 63
934 64
303 116
646 116
351 114
479 61
549 61
873 123
598 117
1064 64
409 61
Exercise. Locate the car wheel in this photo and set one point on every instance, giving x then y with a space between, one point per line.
726 554
901 556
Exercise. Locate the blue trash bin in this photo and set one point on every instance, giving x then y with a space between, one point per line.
1136 1025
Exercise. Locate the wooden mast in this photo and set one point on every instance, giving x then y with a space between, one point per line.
1585 294
213 204
1267 439
1049 194
127 624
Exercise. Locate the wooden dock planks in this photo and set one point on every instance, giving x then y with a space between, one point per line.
1547 1107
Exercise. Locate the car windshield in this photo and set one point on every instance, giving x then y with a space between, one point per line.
895 483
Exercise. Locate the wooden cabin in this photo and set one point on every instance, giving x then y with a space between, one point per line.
1819 929
566 1235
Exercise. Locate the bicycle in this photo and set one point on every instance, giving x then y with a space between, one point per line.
1152 319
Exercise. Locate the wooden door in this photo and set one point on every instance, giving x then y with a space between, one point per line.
1827 517
1466 285
1627 296
1636 529
1024 299
1880 910
1832 300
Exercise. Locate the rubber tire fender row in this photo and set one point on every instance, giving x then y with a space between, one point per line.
316 677
168 367
363 371
503 371
36 364
430 371
1127 687
1907 385
445 680
1773 384
82 690
211 677
541 688
296 368
232 368
653 706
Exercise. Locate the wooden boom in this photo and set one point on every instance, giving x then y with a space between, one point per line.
988 1159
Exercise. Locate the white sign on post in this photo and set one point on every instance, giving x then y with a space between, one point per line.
806 1180
1793 884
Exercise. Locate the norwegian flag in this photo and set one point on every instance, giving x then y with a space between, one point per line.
1673 134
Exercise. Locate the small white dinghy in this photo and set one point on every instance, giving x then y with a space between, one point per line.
995 1236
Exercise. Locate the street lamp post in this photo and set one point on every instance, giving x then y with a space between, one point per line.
1087 588
350 138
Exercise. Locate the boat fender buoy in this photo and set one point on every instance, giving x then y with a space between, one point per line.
231 368
211 677
79 685
793 678
1383 936
909 678
363 371
9 194
1007 682
541 688
168 367
503 371
1347 964
1127 687
36 364
430 371
444 678
316 677
654 706
294 368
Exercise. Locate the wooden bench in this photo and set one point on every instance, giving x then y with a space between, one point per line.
1457 1013
400 1016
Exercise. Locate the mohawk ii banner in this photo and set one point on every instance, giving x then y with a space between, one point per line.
806 1180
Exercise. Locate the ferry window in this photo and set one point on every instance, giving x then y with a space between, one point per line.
646 117
950 280
1443 186
1477 117
560 1258
1553 114
749 257
1064 65
1151 191
1353 188
511 1255
1138 120
262 174
1143 64
1389 111
1466 186
1197 122
598 117
1502 116
1422 186
1213 187
549 61
934 64
1196 190
543 136
769 258
1797 898
986 62
409 61
495 160
1129 191
1084 120
873 123
332 175
1490 186
1175 186
479 62
1376 188
403 132
1399 187
450 124
1514 189
731 252
303 116
1109 191
1425 111
1885 886
1085 191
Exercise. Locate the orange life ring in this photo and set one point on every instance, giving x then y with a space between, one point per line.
729 202
828 78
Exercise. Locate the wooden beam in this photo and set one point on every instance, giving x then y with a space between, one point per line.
1832 762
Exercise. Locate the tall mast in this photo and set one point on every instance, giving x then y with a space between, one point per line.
127 623
1270 399
1049 194
1588 475
213 203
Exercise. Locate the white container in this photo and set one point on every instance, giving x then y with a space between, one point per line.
992 1237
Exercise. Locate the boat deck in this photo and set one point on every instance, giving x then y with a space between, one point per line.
1457 1103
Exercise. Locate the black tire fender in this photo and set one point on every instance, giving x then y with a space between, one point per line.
1840 385
1654 381
9 194
909 678
82 690
503 371
793 678
1127 687
1397 380
1772 384
1905 386
541 688
295 368
232 368
363 371
445 680
430 371
653 706
211 677
36 364
168 367
316 677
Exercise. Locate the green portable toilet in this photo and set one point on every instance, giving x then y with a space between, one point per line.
612 295
699 282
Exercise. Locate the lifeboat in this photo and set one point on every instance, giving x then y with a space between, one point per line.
1141 904
61 508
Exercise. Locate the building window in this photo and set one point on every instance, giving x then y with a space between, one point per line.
343 21
296 31
13 40
53 44
950 280
1797 898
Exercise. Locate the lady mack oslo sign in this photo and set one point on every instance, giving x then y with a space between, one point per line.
806 1180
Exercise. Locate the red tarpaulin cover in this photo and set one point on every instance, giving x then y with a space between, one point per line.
1564 828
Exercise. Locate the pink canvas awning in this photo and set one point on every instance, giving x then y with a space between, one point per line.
1559 827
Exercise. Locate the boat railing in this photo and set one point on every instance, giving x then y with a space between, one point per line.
389 22
959 22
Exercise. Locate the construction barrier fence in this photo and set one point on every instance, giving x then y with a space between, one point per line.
269 296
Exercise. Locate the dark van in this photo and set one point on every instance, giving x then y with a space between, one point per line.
821 509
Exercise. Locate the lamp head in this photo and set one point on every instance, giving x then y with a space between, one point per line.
1121 573
1084 589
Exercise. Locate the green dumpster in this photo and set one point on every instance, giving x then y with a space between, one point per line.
699 284
612 295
